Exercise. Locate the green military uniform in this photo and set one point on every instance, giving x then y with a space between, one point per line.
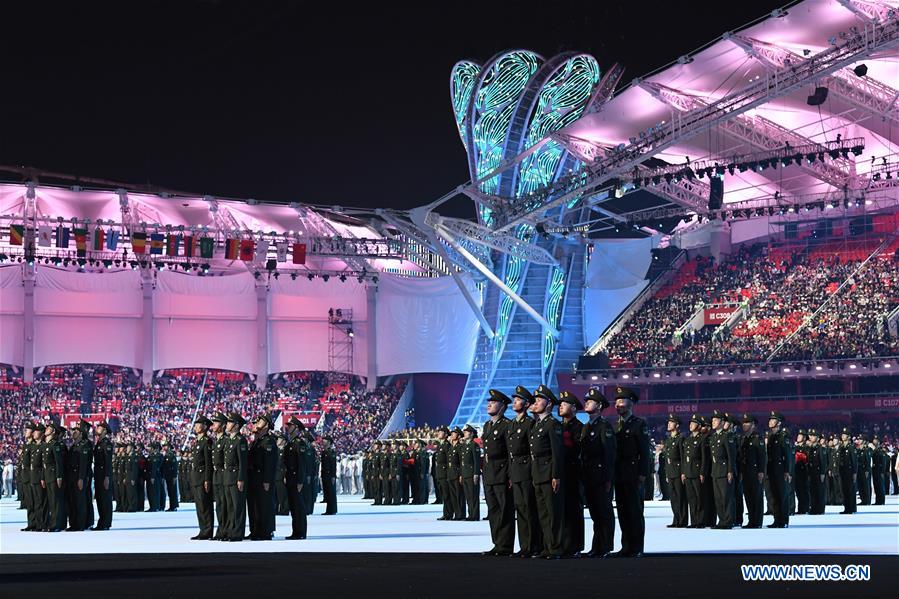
154 478
329 478
77 466
235 477
691 468
39 505
170 476
201 480
497 491
670 469
633 461
104 479
455 493
54 473
598 449
780 456
441 465
724 464
469 468
263 467
547 465
847 465
220 502
572 506
530 537
753 462
880 464
296 477
863 478
309 493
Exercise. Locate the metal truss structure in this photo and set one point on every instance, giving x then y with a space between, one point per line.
876 37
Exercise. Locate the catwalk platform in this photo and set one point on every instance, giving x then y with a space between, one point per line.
360 527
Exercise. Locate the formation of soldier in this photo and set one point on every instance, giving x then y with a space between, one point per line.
397 472
720 463
59 481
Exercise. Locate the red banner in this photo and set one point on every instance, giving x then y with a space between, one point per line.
718 315
309 419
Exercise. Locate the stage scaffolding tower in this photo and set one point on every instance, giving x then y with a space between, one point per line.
340 345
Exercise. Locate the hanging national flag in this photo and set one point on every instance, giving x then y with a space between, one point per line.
281 246
207 247
62 237
157 241
43 236
112 240
261 250
16 234
190 246
172 244
139 243
246 250
231 249
81 242
99 239
299 253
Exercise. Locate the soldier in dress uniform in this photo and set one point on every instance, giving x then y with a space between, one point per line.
632 466
779 465
422 471
835 493
374 473
235 477
880 462
671 470
201 477
816 467
53 461
497 488
217 442
184 477
530 537
39 504
691 469
547 470
118 492
77 466
170 476
863 477
455 493
573 507
470 472
103 476
598 448
801 486
846 462
23 474
705 476
263 467
734 427
283 509
329 477
753 462
441 465
312 464
384 462
396 474
724 463
295 476
154 477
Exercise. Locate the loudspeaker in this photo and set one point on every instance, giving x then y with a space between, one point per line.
817 98
716 193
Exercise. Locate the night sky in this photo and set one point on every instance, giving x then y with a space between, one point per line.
325 103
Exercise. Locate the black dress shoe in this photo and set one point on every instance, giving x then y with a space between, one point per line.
503 553
490 553
53 530
442 518
200 537
294 538
553 556
671 526
520 554
636 554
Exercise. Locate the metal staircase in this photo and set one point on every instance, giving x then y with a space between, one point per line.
571 342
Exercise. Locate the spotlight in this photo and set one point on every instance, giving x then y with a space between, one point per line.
343 278
861 70
731 167
350 332
310 276
293 276
857 150
325 278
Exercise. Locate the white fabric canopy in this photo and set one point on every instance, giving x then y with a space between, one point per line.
619 264
424 325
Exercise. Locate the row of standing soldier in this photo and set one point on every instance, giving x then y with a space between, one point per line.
233 480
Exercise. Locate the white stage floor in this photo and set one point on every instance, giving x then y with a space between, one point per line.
361 527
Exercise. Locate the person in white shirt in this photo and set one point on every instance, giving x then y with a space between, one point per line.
7 478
